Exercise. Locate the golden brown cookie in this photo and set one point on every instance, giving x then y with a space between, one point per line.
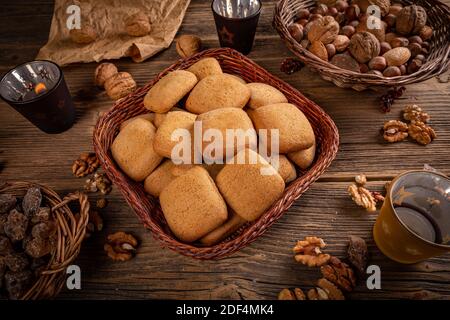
286 169
159 117
303 158
160 178
262 95
205 67
215 92
163 143
133 149
295 131
233 76
146 116
192 205
232 119
249 188
169 90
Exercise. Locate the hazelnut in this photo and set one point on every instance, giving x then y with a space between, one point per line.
373 25
352 12
414 66
395 9
402 69
324 29
103 72
296 31
426 33
382 4
420 57
363 68
364 46
415 49
384 47
345 61
85 35
392 72
341 5
138 25
375 72
411 19
302 14
390 36
331 50
397 56
378 63
120 85
354 23
415 39
321 9
341 42
302 22
319 49
348 31
399 42
188 45
332 12
390 20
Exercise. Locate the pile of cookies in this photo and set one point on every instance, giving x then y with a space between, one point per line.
207 202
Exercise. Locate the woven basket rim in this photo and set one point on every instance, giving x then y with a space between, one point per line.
361 81
70 234
106 129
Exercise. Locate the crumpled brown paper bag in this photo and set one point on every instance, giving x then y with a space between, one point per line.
107 17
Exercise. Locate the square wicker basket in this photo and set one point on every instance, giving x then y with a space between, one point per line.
148 209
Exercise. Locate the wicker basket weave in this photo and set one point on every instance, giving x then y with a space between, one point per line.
147 208
437 61
70 232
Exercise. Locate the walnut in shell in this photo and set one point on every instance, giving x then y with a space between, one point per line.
411 20
384 5
120 85
85 35
324 29
103 72
138 25
364 46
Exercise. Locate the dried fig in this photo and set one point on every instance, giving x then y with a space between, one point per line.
364 46
324 29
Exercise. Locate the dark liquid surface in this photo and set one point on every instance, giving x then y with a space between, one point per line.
420 223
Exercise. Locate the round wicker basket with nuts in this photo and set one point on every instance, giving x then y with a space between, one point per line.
393 43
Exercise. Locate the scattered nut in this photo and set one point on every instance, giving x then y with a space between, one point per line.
87 163
138 25
85 35
397 56
188 45
318 49
296 31
395 131
317 294
420 132
103 72
308 252
413 112
411 19
331 50
364 46
426 33
378 63
341 42
287 294
374 26
362 197
120 85
340 274
357 255
392 71
120 246
331 290
348 31
99 182
399 42
324 29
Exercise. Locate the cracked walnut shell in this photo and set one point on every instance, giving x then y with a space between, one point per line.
420 132
410 20
395 131
138 25
340 274
324 29
308 252
120 85
364 46
120 246
414 113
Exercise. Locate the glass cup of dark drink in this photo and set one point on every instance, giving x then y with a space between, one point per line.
39 92
414 222
236 22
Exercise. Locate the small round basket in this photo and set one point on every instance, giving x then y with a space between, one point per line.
437 61
71 230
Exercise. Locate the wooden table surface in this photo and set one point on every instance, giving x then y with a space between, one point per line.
262 269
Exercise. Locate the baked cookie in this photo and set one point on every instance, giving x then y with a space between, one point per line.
169 90
205 67
146 116
159 117
249 188
235 77
303 158
160 178
262 95
192 205
133 149
295 131
286 169
163 143
215 92
231 119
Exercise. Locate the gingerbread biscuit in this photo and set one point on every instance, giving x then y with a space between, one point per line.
303 158
159 117
160 178
146 116
295 131
169 90
233 76
249 188
133 149
286 169
174 120
205 67
262 95
215 92
192 205
231 120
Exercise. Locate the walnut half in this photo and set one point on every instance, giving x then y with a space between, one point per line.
308 252
395 131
